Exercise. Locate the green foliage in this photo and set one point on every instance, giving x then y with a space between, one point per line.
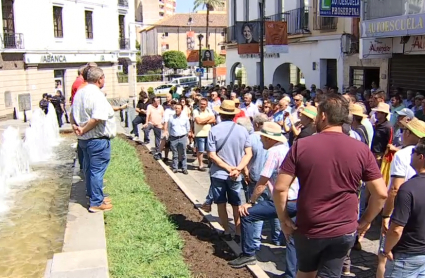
141 240
219 59
208 3
122 77
151 76
138 49
174 59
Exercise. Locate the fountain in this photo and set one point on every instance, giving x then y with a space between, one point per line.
35 179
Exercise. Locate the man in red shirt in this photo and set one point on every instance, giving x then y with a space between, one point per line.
77 83
241 114
329 167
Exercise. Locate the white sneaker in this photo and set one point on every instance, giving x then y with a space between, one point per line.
135 138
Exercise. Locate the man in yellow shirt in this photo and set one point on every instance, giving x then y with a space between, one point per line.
203 117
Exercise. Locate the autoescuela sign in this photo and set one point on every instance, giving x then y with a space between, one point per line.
339 8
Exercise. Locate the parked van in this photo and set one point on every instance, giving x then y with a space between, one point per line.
187 81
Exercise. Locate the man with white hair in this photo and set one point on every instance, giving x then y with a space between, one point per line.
248 107
93 121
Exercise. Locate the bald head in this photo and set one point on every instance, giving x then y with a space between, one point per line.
283 104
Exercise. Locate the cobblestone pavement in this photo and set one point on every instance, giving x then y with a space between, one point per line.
271 258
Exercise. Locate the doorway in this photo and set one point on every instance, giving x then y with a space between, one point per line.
59 76
364 77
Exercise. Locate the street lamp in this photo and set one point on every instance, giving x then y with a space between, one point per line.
163 71
200 37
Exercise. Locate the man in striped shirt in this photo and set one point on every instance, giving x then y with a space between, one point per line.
93 120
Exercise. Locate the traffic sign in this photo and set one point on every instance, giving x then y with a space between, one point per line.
200 72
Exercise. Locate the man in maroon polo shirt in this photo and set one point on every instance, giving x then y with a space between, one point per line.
329 167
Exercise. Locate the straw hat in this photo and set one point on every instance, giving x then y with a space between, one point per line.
382 107
237 101
273 131
357 110
227 107
309 111
416 126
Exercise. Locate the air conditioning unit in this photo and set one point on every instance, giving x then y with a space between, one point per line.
120 68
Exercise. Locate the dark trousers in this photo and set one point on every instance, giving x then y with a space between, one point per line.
80 156
157 134
66 116
59 115
140 120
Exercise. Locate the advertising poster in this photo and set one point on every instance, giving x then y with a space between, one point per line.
193 58
208 58
276 37
248 37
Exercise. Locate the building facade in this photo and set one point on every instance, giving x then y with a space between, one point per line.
393 36
43 44
315 52
179 32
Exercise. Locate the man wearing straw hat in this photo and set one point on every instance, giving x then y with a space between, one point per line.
383 131
275 142
229 149
356 125
400 172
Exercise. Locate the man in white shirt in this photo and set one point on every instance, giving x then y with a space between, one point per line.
178 130
400 172
248 107
93 121
165 142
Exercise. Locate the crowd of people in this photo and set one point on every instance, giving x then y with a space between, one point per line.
318 165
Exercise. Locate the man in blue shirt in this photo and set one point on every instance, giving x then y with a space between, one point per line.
229 149
178 129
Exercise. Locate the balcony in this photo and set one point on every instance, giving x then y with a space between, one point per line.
324 23
124 44
13 41
297 23
123 3
389 8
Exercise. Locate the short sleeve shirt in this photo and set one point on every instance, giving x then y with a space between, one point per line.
409 210
400 166
202 130
329 178
232 151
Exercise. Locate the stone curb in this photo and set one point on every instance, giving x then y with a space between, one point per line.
256 270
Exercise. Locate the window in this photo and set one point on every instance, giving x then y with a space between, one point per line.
165 34
57 22
89 24
167 46
8 17
7 99
121 26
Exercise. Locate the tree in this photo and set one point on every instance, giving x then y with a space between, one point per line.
209 4
149 63
175 60
219 59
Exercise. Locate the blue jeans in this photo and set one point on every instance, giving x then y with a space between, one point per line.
97 154
80 156
363 201
157 133
275 230
178 147
266 210
209 199
406 266
226 191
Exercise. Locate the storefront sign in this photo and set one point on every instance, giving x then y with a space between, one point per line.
266 55
61 58
376 48
340 8
276 37
412 45
397 26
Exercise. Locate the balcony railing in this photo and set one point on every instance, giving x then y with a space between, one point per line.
325 23
13 41
124 44
297 23
123 3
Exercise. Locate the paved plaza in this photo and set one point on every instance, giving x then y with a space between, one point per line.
271 258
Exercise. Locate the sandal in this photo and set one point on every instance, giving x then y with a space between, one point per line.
206 207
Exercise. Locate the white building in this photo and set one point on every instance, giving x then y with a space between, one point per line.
45 42
315 55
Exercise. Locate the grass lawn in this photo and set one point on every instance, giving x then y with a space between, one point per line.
141 240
